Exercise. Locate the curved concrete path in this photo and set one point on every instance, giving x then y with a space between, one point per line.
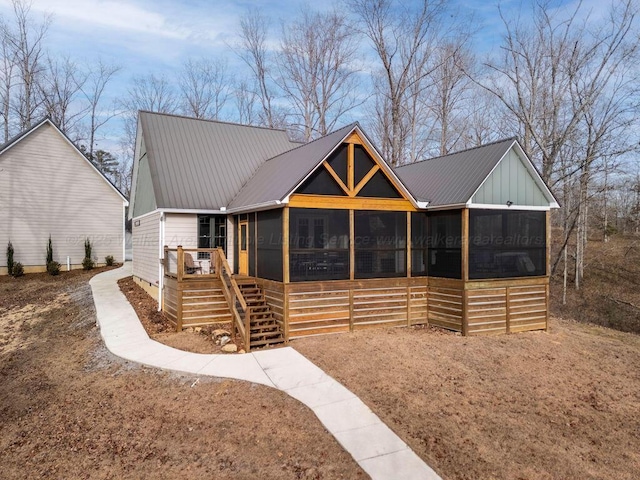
379 451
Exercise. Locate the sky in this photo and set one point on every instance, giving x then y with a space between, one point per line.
157 36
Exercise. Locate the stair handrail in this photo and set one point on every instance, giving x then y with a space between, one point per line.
234 295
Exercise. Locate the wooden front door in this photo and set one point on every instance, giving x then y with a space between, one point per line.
243 258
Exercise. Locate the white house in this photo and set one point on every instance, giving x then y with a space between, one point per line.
49 188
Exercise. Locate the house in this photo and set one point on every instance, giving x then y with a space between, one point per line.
48 188
237 223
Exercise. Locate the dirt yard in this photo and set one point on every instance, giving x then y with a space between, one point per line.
557 405
70 409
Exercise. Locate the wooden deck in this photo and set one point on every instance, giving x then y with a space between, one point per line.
321 307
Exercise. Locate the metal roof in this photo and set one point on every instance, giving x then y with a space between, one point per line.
202 164
276 178
452 179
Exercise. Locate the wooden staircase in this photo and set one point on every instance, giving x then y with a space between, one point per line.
265 329
203 306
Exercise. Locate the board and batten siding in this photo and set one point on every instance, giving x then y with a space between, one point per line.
146 247
511 181
48 188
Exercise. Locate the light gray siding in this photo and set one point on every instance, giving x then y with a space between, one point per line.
511 181
181 229
48 188
146 247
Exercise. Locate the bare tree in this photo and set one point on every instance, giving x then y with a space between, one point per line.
404 38
254 27
60 86
245 100
449 96
93 89
26 40
317 73
204 86
565 79
7 73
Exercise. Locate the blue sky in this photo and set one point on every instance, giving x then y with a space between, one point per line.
156 36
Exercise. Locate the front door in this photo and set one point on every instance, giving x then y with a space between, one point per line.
243 237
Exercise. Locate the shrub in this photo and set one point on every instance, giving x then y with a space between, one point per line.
10 258
17 270
109 261
49 251
87 263
53 268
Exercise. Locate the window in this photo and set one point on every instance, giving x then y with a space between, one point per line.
445 244
269 245
380 244
319 244
505 244
212 233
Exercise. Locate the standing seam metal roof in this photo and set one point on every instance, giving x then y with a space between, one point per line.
452 179
202 164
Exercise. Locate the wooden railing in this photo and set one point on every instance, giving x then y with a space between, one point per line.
241 316
175 265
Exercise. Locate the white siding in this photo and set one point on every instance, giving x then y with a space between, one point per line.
146 247
48 188
181 229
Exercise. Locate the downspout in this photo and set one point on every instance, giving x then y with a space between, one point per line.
161 260
124 233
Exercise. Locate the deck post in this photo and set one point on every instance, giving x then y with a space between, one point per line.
180 274
465 271
547 270
408 247
285 245
180 263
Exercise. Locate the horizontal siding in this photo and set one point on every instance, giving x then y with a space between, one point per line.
181 229
418 302
48 188
445 307
146 255
317 308
487 311
528 308
379 306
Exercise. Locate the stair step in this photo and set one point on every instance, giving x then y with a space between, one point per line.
262 343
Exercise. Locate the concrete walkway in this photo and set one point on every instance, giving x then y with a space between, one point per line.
379 451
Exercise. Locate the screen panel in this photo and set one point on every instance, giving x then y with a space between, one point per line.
505 244
380 244
269 245
319 244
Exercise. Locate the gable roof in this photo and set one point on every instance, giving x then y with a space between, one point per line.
453 179
202 164
47 120
280 176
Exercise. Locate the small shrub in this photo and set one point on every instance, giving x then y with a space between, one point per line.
49 252
17 270
109 261
10 262
87 263
53 268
